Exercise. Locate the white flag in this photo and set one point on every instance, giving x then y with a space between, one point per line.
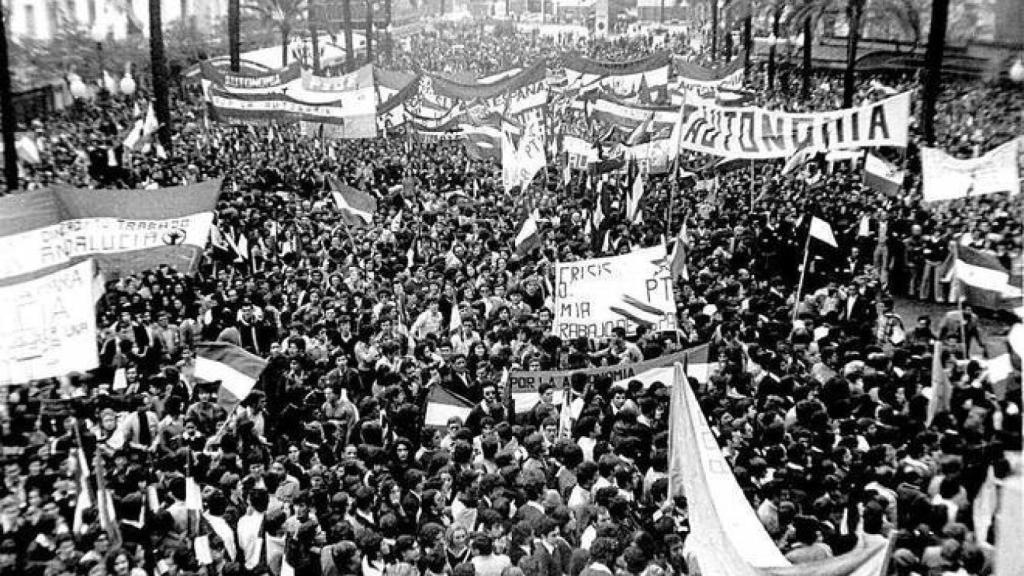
823 231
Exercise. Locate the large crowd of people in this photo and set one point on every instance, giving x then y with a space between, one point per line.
326 468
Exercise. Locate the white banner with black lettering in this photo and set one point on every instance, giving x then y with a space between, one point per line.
49 325
756 133
949 178
594 296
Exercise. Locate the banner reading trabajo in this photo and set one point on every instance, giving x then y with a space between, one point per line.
126 231
49 326
756 133
594 296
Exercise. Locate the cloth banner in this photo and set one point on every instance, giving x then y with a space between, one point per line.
752 133
524 384
362 77
654 157
594 296
355 109
621 77
630 116
532 77
126 231
691 75
948 178
232 81
49 325
520 163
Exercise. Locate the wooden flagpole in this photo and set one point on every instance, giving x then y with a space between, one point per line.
803 274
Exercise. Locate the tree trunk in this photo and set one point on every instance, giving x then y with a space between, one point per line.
387 26
7 112
727 45
234 33
314 36
346 16
285 32
933 67
714 29
158 65
805 69
748 39
369 31
849 87
771 49
661 14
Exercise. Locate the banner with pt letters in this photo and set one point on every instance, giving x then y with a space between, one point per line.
126 231
49 325
594 296
949 178
755 133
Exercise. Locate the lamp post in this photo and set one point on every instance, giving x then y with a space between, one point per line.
1017 70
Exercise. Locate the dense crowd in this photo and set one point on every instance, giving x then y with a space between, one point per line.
327 468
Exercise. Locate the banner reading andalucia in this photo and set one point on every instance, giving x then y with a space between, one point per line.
126 231
49 325
594 296
756 133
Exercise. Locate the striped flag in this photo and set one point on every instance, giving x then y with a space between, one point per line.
357 207
528 236
882 176
642 133
443 404
984 282
235 369
636 195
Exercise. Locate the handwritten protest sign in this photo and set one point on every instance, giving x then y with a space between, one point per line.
50 326
594 296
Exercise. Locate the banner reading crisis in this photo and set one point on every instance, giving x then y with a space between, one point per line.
948 178
49 326
125 230
756 133
594 296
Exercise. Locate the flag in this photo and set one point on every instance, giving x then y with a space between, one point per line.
642 133
410 254
443 404
396 222
942 390
235 369
193 495
242 248
109 83
983 281
85 499
105 505
597 217
633 211
822 231
28 150
528 236
134 137
800 158
682 244
455 322
882 176
357 207
151 125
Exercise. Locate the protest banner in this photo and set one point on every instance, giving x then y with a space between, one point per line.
126 231
519 164
523 385
232 81
616 113
947 178
49 325
362 77
620 77
594 296
755 133
353 111
692 76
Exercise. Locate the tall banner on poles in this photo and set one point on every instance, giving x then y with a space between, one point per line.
947 178
594 296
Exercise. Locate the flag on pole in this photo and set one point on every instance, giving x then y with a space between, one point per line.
443 404
882 176
822 230
396 222
410 254
235 369
942 390
150 125
357 207
642 133
983 281
528 236
455 322
800 158
682 245
633 211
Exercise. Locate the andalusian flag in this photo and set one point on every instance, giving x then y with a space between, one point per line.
235 369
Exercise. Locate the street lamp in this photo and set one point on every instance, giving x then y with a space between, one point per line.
76 86
127 82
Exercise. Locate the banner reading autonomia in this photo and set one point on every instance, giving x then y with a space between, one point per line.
49 325
756 133
126 231
594 296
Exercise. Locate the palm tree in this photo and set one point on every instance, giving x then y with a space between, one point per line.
234 34
7 112
158 66
714 29
314 36
281 15
806 14
933 66
346 17
369 31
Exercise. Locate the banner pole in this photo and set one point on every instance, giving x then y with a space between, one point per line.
803 274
